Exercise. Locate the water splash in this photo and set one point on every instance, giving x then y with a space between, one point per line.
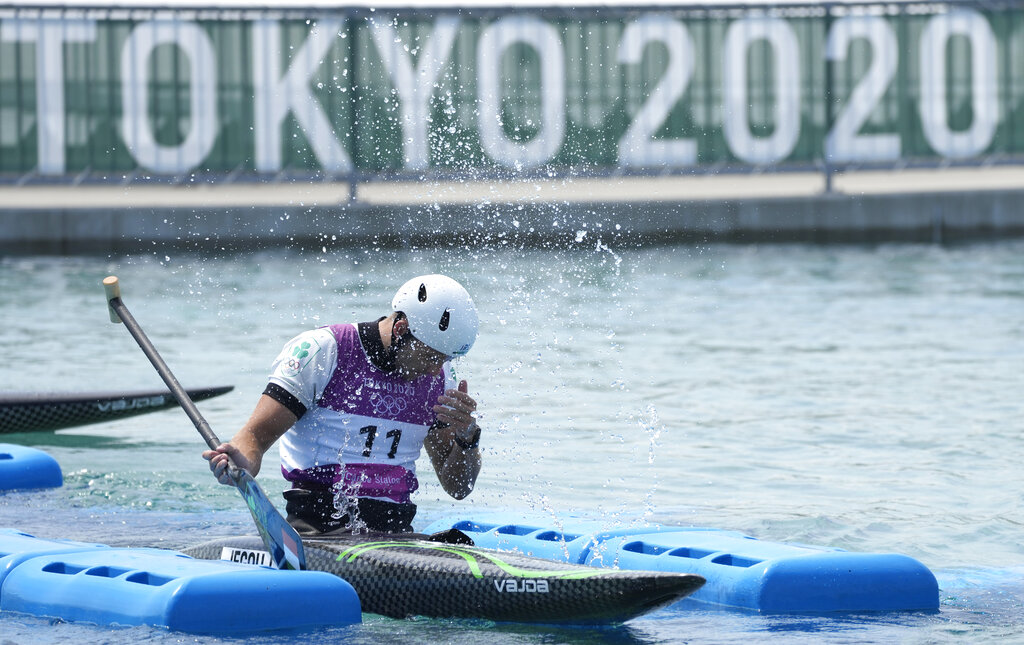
650 423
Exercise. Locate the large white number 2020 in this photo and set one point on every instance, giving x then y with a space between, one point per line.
735 74
984 101
843 142
638 147
544 39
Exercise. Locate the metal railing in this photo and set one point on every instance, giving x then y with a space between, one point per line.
112 94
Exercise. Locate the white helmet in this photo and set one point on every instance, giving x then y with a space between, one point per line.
440 313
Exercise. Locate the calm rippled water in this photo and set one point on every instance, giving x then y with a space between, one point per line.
867 398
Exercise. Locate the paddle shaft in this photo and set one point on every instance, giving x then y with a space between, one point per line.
165 372
278 536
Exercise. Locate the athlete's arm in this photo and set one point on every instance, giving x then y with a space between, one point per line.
299 372
459 470
451 442
268 422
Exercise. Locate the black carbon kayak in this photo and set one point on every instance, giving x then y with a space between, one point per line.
41 411
399 576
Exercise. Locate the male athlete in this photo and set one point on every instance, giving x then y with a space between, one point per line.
353 404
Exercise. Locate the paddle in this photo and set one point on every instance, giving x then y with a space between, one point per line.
280 538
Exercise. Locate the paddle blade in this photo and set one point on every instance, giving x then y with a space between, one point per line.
278 535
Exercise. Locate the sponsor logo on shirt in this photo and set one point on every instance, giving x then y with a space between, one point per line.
388 480
387 405
299 356
403 389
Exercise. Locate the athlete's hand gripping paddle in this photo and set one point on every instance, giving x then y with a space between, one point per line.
280 538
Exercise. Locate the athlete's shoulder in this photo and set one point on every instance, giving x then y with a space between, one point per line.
310 346
318 336
344 333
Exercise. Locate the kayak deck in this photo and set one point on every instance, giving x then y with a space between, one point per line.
399 576
43 411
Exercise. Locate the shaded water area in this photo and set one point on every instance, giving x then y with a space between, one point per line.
867 398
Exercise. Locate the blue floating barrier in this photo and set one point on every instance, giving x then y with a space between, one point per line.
569 540
741 571
23 467
772 577
16 547
111 586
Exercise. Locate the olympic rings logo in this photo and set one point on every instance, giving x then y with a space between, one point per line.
387 405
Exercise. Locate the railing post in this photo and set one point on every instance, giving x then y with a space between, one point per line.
829 97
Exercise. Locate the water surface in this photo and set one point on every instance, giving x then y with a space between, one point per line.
867 398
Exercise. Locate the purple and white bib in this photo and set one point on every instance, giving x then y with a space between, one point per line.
363 428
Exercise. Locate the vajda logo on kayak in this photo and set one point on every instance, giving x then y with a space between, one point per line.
521 586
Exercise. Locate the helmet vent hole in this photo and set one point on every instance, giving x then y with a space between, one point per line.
423 293
445 319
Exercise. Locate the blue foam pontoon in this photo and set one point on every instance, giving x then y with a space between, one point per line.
17 547
76 581
741 571
23 467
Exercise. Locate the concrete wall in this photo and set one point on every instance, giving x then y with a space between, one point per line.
938 216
